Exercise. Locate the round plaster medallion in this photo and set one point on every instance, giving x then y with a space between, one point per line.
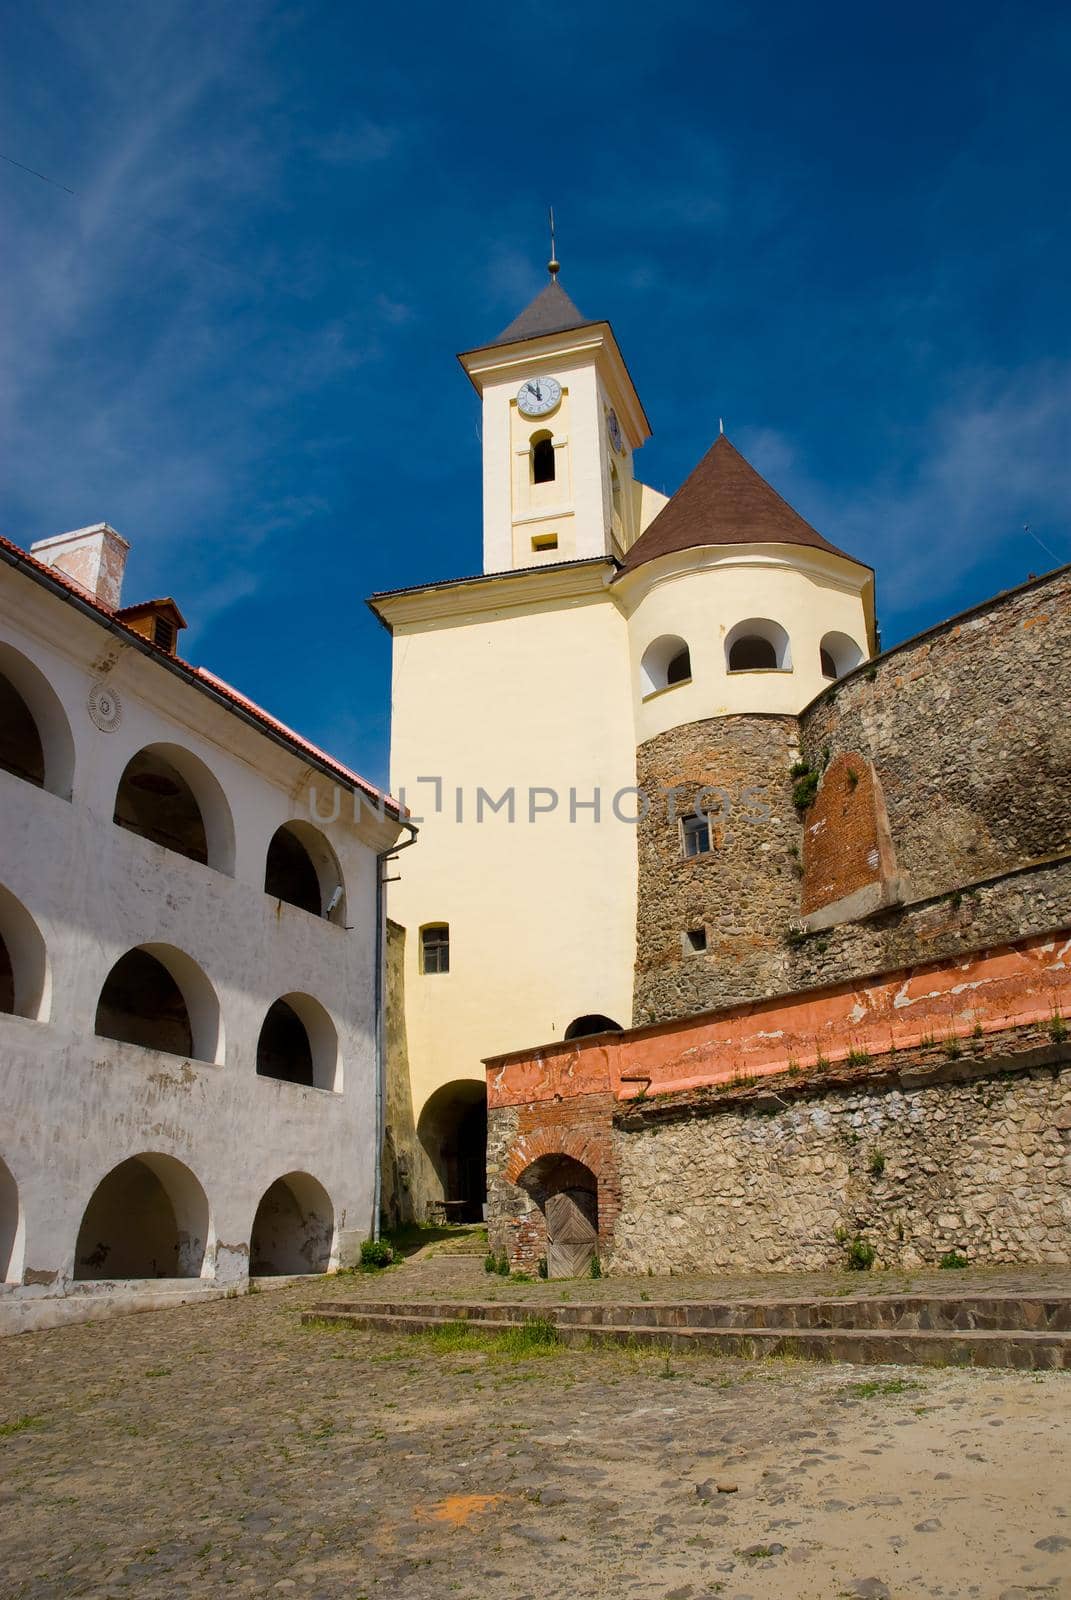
105 707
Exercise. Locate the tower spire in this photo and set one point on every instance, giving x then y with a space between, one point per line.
553 265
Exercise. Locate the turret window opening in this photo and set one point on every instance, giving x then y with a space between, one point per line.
679 669
665 663
543 466
435 948
695 836
758 645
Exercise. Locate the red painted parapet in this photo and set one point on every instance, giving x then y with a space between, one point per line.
1006 987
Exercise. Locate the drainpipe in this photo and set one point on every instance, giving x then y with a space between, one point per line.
381 1012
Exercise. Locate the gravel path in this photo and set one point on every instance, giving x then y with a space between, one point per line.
225 1450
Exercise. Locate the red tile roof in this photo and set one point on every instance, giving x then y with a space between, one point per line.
198 675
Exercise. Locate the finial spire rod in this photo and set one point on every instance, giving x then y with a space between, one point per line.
553 265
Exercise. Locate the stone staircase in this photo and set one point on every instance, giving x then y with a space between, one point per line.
994 1330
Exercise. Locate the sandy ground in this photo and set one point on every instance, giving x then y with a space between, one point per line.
226 1450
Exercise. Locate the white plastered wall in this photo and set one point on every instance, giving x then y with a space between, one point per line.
73 1106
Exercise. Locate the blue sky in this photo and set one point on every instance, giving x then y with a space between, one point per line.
844 229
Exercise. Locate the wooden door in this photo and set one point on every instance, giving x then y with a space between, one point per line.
572 1232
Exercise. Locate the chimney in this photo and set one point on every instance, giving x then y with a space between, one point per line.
94 557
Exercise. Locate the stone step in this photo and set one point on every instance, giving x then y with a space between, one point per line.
905 1347
1050 1313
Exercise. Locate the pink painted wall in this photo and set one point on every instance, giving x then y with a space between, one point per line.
1008 986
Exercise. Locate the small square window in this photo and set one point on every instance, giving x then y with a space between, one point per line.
695 941
695 836
545 541
435 948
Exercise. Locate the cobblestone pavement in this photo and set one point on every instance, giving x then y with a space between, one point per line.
223 1449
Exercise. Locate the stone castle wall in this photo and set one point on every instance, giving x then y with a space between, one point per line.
918 1158
981 1167
744 892
967 731
954 758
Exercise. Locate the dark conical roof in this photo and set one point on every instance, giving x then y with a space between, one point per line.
551 311
724 501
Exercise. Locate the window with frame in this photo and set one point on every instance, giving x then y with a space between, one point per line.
695 836
435 948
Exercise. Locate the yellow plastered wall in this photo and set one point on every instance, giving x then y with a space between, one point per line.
542 914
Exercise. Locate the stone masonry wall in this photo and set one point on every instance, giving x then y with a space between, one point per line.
517 1138
744 892
969 737
982 1167
403 1161
970 752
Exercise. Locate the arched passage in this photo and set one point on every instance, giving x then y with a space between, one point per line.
294 1228
35 736
594 1022
303 870
168 796
10 1228
158 997
147 1219
567 1193
298 1043
453 1132
25 988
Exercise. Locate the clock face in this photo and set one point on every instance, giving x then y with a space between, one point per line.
538 396
615 431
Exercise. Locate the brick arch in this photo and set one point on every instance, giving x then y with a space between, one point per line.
531 1147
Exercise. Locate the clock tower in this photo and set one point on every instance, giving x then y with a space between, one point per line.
561 423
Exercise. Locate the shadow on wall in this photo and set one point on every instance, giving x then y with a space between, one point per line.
147 1219
405 1170
293 1230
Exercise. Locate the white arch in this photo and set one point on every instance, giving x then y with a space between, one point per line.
202 1002
842 651
53 728
761 628
293 1228
208 792
129 1229
30 970
325 864
322 1036
655 663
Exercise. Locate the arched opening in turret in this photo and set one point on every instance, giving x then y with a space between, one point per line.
838 654
666 661
593 1022
543 467
758 645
